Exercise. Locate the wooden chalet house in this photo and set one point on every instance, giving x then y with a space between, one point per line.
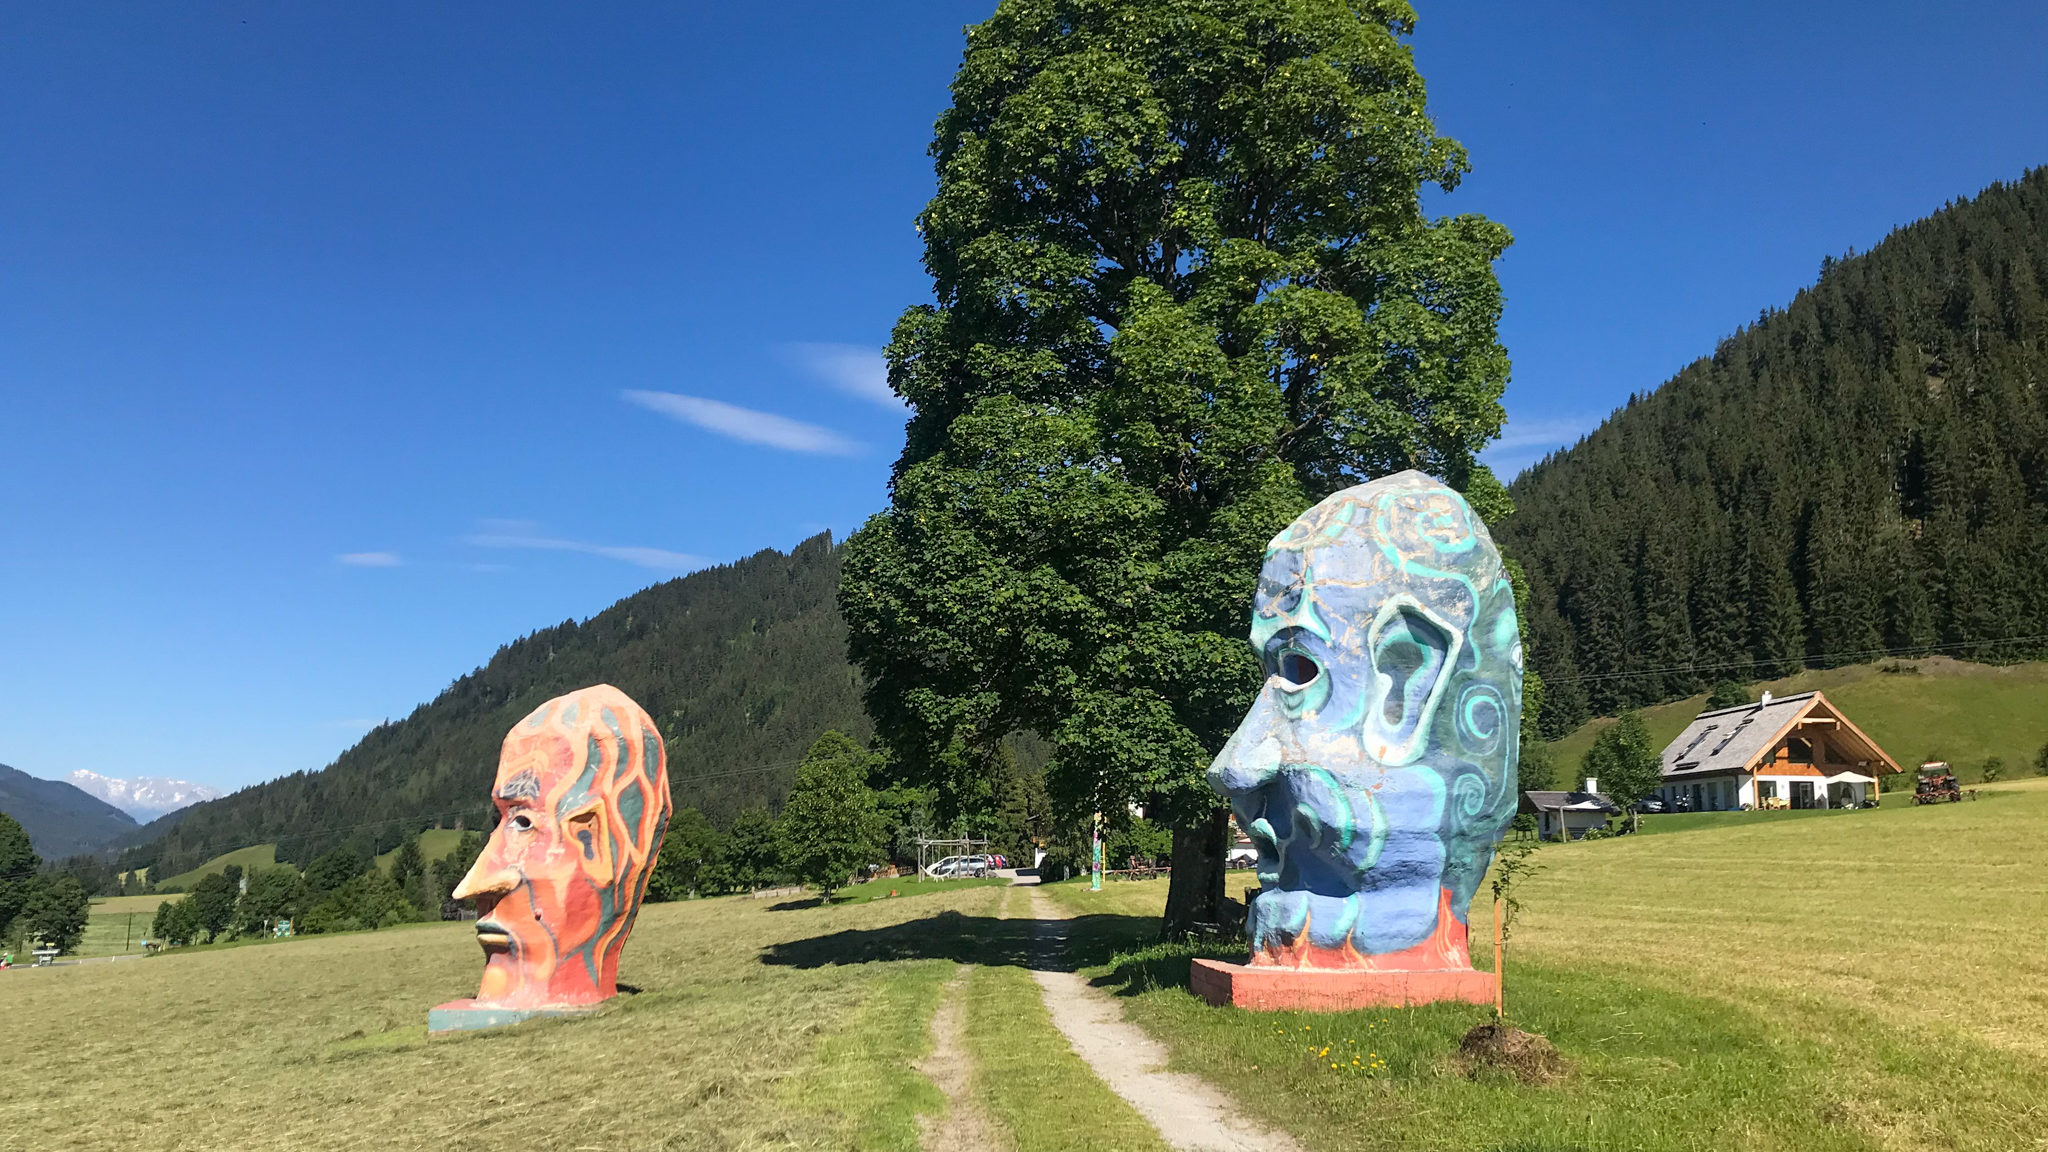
1791 752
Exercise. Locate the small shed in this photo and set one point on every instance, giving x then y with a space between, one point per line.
1568 815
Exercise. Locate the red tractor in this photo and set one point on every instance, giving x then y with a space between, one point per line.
1937 785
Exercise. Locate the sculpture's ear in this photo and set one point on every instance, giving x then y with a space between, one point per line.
589 831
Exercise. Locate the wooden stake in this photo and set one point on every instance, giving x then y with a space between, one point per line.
1499 953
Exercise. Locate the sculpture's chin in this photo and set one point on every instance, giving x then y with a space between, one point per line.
1305 930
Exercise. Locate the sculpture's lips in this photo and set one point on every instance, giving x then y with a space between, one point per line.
493 936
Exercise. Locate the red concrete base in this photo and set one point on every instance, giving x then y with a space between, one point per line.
1270 989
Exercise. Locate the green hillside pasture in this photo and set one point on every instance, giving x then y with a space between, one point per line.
321 1044
1955 710
117 924
434 844
260 856
1866 980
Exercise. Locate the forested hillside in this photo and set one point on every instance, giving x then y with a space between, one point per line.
60 819
741 665
1863 470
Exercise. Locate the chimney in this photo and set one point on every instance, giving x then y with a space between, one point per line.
1592 784
1767 697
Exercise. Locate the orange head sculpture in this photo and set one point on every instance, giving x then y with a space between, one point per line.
582 799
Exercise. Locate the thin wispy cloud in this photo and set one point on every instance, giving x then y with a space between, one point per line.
1524 442
745 424
369 559
854 369
525 534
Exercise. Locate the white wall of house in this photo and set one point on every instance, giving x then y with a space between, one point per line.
1724 794
1824 794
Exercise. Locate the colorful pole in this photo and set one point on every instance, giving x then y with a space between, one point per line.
1095 855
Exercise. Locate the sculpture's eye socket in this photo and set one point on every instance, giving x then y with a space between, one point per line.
1299 669
1409 653
523 822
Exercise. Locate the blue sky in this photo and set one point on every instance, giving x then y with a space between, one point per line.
341 344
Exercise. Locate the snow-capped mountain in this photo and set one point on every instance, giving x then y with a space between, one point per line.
145 797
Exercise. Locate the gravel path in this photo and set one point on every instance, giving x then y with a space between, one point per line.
1188 1111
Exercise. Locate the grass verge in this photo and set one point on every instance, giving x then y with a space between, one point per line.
1030 1079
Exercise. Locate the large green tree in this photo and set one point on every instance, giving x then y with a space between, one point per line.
1184 288
830 826
213 902
55 910
18 866
1625 760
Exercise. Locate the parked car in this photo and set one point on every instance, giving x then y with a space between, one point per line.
1649 806
955 867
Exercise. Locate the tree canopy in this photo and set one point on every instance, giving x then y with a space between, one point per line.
1624 760
1184 288
830 826
18 866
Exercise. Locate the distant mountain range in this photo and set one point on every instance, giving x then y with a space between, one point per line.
61 820
145 797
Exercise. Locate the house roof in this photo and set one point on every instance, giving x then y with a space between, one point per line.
1735 739
1573 801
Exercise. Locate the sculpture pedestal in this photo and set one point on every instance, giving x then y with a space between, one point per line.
468 1015
1274 989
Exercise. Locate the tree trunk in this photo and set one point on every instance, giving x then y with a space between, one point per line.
1194 893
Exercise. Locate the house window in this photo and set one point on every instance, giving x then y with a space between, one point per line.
1766 789
1798 751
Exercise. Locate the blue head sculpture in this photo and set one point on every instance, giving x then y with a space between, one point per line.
1376 769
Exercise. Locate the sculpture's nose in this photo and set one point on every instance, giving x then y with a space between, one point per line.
486 877
1252 755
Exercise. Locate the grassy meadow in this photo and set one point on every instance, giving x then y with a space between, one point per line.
260 856
116 925
434 844
320 1042
1953 709
1867 980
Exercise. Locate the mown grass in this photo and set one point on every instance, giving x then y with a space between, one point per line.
1959 711
899 888
1693 821
116 925
1871 981
1029 1079
319 1043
